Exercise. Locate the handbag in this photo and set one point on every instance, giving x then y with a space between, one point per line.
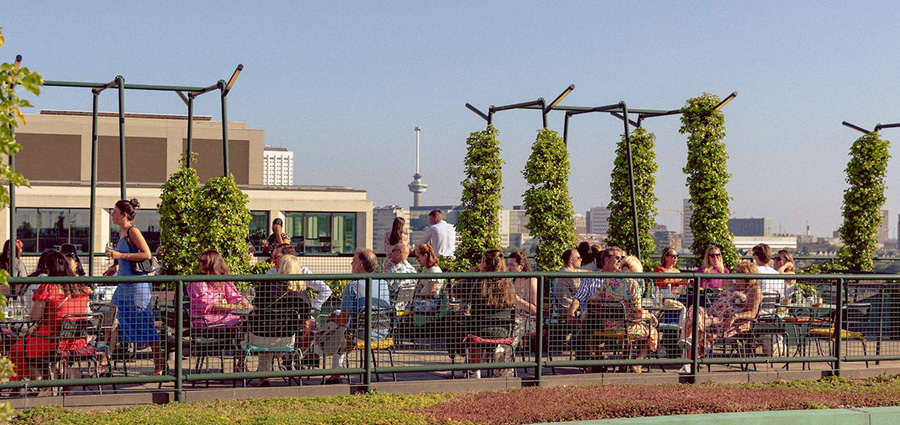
139 267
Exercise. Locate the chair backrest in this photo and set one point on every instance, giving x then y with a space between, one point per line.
283 322
75 326
601 312
767 304
405 297
382 320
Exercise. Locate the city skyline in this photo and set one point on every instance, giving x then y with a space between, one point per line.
342 85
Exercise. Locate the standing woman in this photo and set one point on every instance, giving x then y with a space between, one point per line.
396 235
134 315
5 259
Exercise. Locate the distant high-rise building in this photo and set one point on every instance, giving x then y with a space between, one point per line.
518 232
504 228
597 221
278 167
580 224
687 236
750 226
663 238
382 220
884 232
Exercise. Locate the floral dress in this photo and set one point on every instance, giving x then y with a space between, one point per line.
716 322
628 291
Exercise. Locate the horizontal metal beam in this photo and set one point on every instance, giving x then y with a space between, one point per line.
583 109
128 86
534 104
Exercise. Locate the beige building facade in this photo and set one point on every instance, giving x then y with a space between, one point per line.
56 158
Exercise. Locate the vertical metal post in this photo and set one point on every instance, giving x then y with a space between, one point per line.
539 349
490 119
190 136
838 326
367 349
179 330
695 331
634 214
12 211
224 127
543 111
120 80
94 149
566 130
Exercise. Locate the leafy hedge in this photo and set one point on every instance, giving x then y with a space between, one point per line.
223 222
478 226
707 176
863 201
621 223
547 202
178 222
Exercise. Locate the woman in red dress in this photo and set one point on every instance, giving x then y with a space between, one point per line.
52 303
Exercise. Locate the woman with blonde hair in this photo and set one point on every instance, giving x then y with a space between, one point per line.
730 315
712 263
642 325
281 311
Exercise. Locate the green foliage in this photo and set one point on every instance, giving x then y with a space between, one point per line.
478 226
621 225
261 267
863 201
178 222
707 176
805 290
448 264
224 222
547 202
11 116
826 267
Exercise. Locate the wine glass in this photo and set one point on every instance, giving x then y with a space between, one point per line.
109 247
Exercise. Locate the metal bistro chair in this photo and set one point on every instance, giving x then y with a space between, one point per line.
61 361
403 305
608 326
383 320
281 322
490 344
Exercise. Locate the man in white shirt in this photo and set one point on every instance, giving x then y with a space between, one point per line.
441 235
772 345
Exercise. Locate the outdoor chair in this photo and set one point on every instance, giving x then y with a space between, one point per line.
491 345
62 363
283 323
382 324
608 329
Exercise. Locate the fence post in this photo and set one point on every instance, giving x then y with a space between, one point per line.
695 332
838 331
179 330
539 348
367 349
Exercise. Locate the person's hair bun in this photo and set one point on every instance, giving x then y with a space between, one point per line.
135 203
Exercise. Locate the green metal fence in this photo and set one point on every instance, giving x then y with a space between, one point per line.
868 306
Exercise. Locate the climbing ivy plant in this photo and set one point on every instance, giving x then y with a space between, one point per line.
224 222
11 78
863 201
707 176
178 222
547 202
478 226
621 224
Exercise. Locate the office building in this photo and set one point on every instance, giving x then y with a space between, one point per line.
278 167
597 221
687 236
750 226
580 224
56 158
884 232
382 222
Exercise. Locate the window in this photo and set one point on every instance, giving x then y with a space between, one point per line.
147 221
316 232
259 229
48 228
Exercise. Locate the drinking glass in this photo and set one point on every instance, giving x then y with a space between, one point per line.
109 247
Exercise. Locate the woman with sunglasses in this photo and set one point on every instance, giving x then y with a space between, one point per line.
667 264
712 263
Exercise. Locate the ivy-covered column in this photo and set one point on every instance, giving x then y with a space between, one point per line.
223 222
478 226
863 201
621 227
547 202
179 246
707 176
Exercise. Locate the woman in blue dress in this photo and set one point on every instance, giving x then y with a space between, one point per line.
134 314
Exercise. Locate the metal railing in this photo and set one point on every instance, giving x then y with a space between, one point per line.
868 306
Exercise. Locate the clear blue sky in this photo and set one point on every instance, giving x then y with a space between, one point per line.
343 85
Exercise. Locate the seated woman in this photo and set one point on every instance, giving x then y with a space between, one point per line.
428 292
526 299
213 303
730 315
642 325
280 314
712 263
490 301
52 303
668 264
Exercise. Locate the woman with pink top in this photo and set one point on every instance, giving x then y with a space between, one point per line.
213 303
712 263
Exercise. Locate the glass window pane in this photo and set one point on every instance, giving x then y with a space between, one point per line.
317 232
147 221
79 225
259 228
344 233
54 228
27 228
293 226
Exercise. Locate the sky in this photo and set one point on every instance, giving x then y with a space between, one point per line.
343 84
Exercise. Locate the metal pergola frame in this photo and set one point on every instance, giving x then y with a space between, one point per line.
119 83
619 110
